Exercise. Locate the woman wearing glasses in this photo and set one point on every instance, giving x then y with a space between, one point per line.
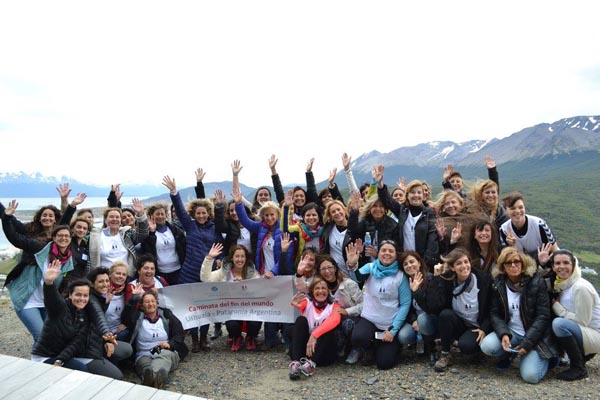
521 318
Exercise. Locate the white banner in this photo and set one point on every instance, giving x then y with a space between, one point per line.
197 304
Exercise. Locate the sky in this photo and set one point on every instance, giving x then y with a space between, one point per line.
123 92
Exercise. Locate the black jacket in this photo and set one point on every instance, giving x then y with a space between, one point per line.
426 236
96 309
65 328
149 244
133 319
534 311
439 297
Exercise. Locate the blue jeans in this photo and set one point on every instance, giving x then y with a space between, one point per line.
532 368
427 327
563 327
33 319
71 364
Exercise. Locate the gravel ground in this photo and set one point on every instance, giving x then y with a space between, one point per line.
221 374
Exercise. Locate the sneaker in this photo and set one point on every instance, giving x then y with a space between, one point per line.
307 366
250 343
420 347
354 356
294 370
443 362
237 344
148 378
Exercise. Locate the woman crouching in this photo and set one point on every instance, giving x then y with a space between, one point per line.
158 338
313 334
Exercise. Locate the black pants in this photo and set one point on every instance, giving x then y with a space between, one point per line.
452 327
234 328
325 350
386 353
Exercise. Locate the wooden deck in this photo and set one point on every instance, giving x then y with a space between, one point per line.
22 379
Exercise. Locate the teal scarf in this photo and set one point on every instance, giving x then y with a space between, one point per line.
379 271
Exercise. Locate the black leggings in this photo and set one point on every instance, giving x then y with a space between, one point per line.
452 327
234 328
325 351
386 353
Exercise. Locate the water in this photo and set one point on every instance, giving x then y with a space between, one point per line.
34 203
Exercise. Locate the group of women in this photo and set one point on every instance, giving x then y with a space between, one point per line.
389 270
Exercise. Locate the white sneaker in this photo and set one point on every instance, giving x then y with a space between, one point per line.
307 366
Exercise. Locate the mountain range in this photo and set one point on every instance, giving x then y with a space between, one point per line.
571 143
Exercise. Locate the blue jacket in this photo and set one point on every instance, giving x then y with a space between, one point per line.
30 279
199 239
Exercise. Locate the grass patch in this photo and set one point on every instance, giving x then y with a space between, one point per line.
587 257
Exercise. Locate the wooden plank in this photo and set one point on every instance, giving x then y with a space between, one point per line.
13 368
88 388
140 392
42 382
114 390
64 386
5 360
166 395
23 377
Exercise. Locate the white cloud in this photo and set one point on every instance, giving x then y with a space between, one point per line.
130 91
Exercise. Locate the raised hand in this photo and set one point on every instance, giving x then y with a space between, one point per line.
346 160
415 281
151 224
377 174
285 241
355 201
236 167
456 233
447 172
273 164
63 190
289 198
11 207
215 250
170 184
297 299
441 228
52 273
219 196
200 174
402 183
310 165
237 195
138 289
303 265
490 162
117 189
77 200
544 253
332 175
138 207
353 253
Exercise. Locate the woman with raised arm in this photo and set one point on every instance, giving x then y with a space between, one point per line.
115 242
198 223
66 328
385 306
237 266
485 195
166 243
308 230
416 223
146 276
521 318
228 223
576 305
24 281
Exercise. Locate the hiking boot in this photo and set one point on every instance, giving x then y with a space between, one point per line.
148 378
195 343
250 343
237 344
294 370
307 366
204 342
577 369
161 378
443 362
218 332
354 356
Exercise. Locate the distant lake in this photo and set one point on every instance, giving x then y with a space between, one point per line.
34 203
